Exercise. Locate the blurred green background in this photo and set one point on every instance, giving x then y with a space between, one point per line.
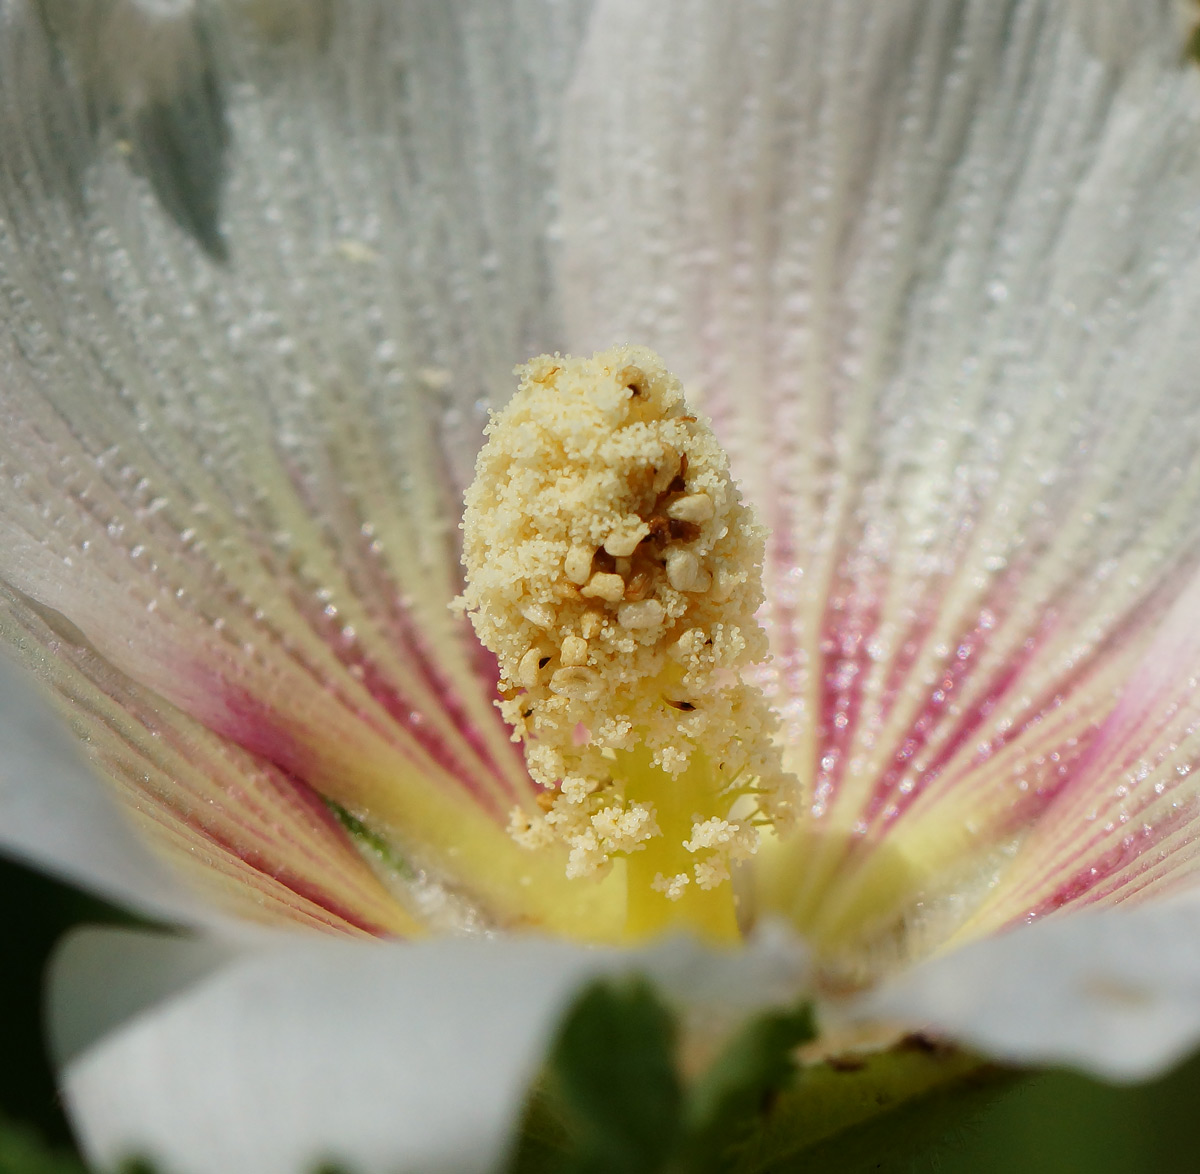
1054 1123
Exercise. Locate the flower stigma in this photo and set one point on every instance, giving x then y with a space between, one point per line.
614 571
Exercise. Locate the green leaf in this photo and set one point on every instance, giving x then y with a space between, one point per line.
23 1152
35 912
612 1082
753 1066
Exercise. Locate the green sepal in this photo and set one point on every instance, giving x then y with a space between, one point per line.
612 1082
611 1097
739 1084
890 1110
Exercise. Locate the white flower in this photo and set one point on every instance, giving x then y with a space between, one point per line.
933 269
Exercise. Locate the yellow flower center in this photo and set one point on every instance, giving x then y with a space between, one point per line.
614 570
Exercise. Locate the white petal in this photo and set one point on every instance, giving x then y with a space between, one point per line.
1120 29
100 978
934 266
238 480
1115 992
385 1057
55 814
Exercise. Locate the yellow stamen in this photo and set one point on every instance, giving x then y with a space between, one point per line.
660 879
614 570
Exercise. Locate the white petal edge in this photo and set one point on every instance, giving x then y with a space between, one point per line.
382 1056
1115 992
55 815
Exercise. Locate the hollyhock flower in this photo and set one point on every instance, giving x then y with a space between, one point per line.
932 269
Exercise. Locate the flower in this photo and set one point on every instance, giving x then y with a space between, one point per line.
932 271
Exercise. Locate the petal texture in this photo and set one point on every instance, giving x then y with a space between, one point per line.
934 269
239 480
66 824
250 839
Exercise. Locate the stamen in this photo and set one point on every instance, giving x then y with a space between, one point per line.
614 570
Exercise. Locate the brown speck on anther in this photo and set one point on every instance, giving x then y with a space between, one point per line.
660 529
685 706
682 531
632 377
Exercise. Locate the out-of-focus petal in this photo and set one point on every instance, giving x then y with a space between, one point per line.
935 269
381 1057
240 481
100 978
54 814
1115 992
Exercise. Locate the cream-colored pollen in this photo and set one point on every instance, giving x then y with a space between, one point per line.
671 887
614 571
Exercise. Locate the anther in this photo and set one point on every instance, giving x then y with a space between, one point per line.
613 569
529 669
574 651
624 540
685 573
577 566
577 683
602 586
539 614
646 613
695 507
